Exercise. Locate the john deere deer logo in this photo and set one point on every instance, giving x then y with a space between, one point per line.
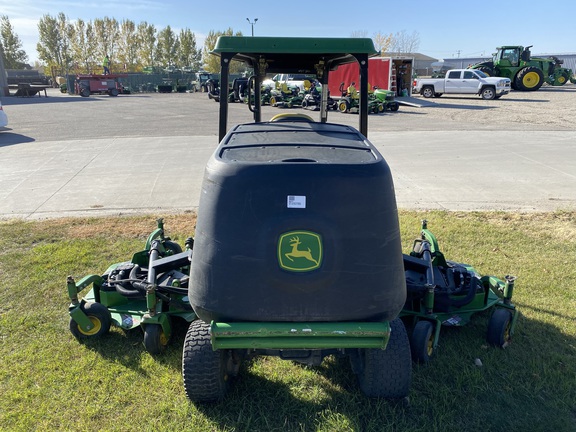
300 251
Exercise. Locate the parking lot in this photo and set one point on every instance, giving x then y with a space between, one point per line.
66 155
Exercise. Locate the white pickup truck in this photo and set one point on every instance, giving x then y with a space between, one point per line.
464 81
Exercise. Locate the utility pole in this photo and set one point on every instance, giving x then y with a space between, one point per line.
252 24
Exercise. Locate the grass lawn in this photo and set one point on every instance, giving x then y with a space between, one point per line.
49 381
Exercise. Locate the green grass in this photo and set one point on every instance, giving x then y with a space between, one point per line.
50 381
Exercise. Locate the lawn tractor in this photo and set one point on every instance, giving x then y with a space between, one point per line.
348 103
527 73
313 98
148 291
286 96
297 242
447 293
387 98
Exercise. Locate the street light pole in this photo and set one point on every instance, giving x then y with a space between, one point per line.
252 24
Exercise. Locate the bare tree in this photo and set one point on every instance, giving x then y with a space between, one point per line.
402 42
382 41
359 34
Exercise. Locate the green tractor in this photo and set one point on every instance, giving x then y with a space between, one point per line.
527 73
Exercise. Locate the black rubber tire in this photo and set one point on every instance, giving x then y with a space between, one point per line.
387 373
84 92
173 247
155 340
488 93
427 91
529 79
343 106
204 370
421 342
113 92
486 69
100 317
273 100
395 106
498 333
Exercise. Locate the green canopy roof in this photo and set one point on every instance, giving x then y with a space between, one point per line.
294 54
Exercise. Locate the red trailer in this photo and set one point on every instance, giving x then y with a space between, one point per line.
388 73
110 84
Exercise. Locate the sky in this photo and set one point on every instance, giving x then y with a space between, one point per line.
446 30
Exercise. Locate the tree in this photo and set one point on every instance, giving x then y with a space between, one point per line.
14 56
167 46
382 41
54 42
106 32
402 42
359 34
188 54
146 35
128 45
212 62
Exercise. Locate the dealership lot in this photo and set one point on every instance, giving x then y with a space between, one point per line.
66 155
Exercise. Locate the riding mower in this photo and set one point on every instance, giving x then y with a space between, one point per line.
148 291
285 96
310 265
387 98
447 293
349 101
313 98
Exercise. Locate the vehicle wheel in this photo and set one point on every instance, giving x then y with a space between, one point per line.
529 79
113 92
101 321
273 100
155 340
381 108
561 80
427 91
499 328
387 373
204 370
173 247
395 106
488 93
305 104
84 92
486 69
203 89
422 342
343 106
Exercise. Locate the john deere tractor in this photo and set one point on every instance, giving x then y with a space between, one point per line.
526 72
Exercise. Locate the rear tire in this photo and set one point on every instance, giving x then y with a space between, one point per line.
343 106
204 371
529 79
387 373
395 106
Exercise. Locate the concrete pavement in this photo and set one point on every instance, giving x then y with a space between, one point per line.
452 170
